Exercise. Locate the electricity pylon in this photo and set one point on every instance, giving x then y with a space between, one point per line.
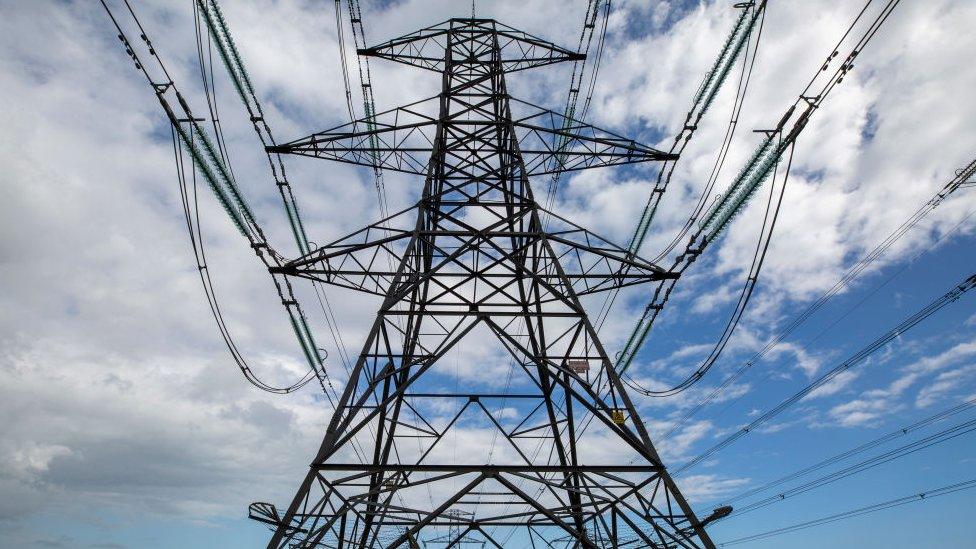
477 252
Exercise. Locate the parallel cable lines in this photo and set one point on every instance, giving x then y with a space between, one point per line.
897 502
752 175
208 160
957 182
945 435
861 448
733 47
369 103
575 85
220 36
952 295
343 63
759 257
713 81
191 215
383 373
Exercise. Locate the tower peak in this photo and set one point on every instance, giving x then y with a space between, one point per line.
427 48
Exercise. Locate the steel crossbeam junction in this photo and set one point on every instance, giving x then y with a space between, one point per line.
473 254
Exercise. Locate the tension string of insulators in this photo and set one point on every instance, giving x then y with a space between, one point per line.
757 169
233 62
748 24
734 46
369 102
571 113
206 157
751 176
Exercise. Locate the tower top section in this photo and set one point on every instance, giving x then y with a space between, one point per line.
429 48
473 56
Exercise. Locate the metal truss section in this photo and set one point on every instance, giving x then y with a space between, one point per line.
366 259
402 139
507 493
425 48
474 260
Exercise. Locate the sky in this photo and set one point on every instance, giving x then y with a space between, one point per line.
126 424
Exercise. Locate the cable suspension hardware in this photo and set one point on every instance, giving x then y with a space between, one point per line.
734 46
713 80
563 139
369 102
220 36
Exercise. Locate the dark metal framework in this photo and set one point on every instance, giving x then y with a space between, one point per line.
474 255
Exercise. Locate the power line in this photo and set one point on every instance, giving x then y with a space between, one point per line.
575 85
925 312
459 177
891 503
874 443
897 273
762 247
945 435
713 79
191 213
208 160
369 102
741 31
684 136
754 173
958 181
737 41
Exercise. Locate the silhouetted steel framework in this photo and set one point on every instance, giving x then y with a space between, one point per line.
473 253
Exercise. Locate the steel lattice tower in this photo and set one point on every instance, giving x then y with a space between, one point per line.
478 252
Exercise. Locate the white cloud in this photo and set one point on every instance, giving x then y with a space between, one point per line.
802 359
956 353
834 385
944 384
859 412
709 487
